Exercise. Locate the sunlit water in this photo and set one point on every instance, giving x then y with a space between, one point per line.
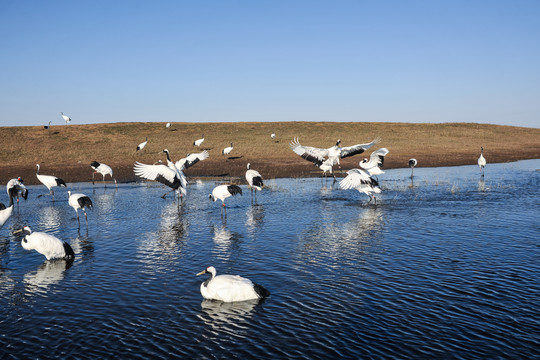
447 266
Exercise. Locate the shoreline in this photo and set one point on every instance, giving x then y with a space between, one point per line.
66 151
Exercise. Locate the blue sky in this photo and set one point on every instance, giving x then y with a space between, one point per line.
205 61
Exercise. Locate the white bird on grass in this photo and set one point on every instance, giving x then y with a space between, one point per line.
412 164
222 192
227 150
360 180
482 161
166 174
45 244
66 118
375 162
5 212
80 201
103 169
49 181
142 145
230 288
199 141
191 160
254 179
168 125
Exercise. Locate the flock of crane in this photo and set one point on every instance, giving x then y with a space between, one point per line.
226 288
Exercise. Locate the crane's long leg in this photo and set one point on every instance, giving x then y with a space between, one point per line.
94 173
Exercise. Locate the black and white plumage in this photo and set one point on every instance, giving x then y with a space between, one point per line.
50 181
168 175
227 150
191 160
360 180
222 192
142 145
375 162
80 201
17 189
482 161
199 142
5 212
273 136
168 125
254 179
230 288
47 127
103 169
412 164
48 245
66 118
333 154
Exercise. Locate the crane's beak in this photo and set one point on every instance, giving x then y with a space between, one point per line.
202 272
17 231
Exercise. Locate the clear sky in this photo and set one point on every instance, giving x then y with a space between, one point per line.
270 60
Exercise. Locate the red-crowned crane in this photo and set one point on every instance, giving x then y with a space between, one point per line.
227 150
66 118
199 142
48 245
222 192
412 164
103 169
360 180
142 145
230 288
49 181
16 186
375 162
5 212
80 201
482 161
254 179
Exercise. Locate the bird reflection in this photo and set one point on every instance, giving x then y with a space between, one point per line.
481 185
49 217
83 245
104 199
224 239
254 217
49 273
219 314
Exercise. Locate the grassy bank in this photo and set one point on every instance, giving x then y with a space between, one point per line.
67 150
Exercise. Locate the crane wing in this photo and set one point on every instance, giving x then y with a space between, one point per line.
355 178
377 157
160 173
357 149
312 154
191 160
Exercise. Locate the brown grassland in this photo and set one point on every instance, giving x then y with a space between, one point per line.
66 151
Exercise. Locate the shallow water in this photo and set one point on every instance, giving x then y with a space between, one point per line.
447 266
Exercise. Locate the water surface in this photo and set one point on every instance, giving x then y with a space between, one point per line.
444 266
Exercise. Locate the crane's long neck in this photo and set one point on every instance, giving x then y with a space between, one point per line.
37 171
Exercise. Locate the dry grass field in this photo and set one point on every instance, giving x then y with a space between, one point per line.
67 150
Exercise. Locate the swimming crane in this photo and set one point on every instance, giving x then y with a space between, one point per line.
230 288
168 175
49 181
46 244
66 118
375 162
412 164
222 192
142 145
103 169
199 142
227 150
360 180
254 179
482 161
80 201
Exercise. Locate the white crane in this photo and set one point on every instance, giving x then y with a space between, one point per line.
66 118
222 192
230 288
49 181
46 244
166 174
254 179
168 125
142 145
375 162
412 164
17 188
80 201
332 154
482 161
5 212
273 136
199 142
103 169
191 160
227 150
360 180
